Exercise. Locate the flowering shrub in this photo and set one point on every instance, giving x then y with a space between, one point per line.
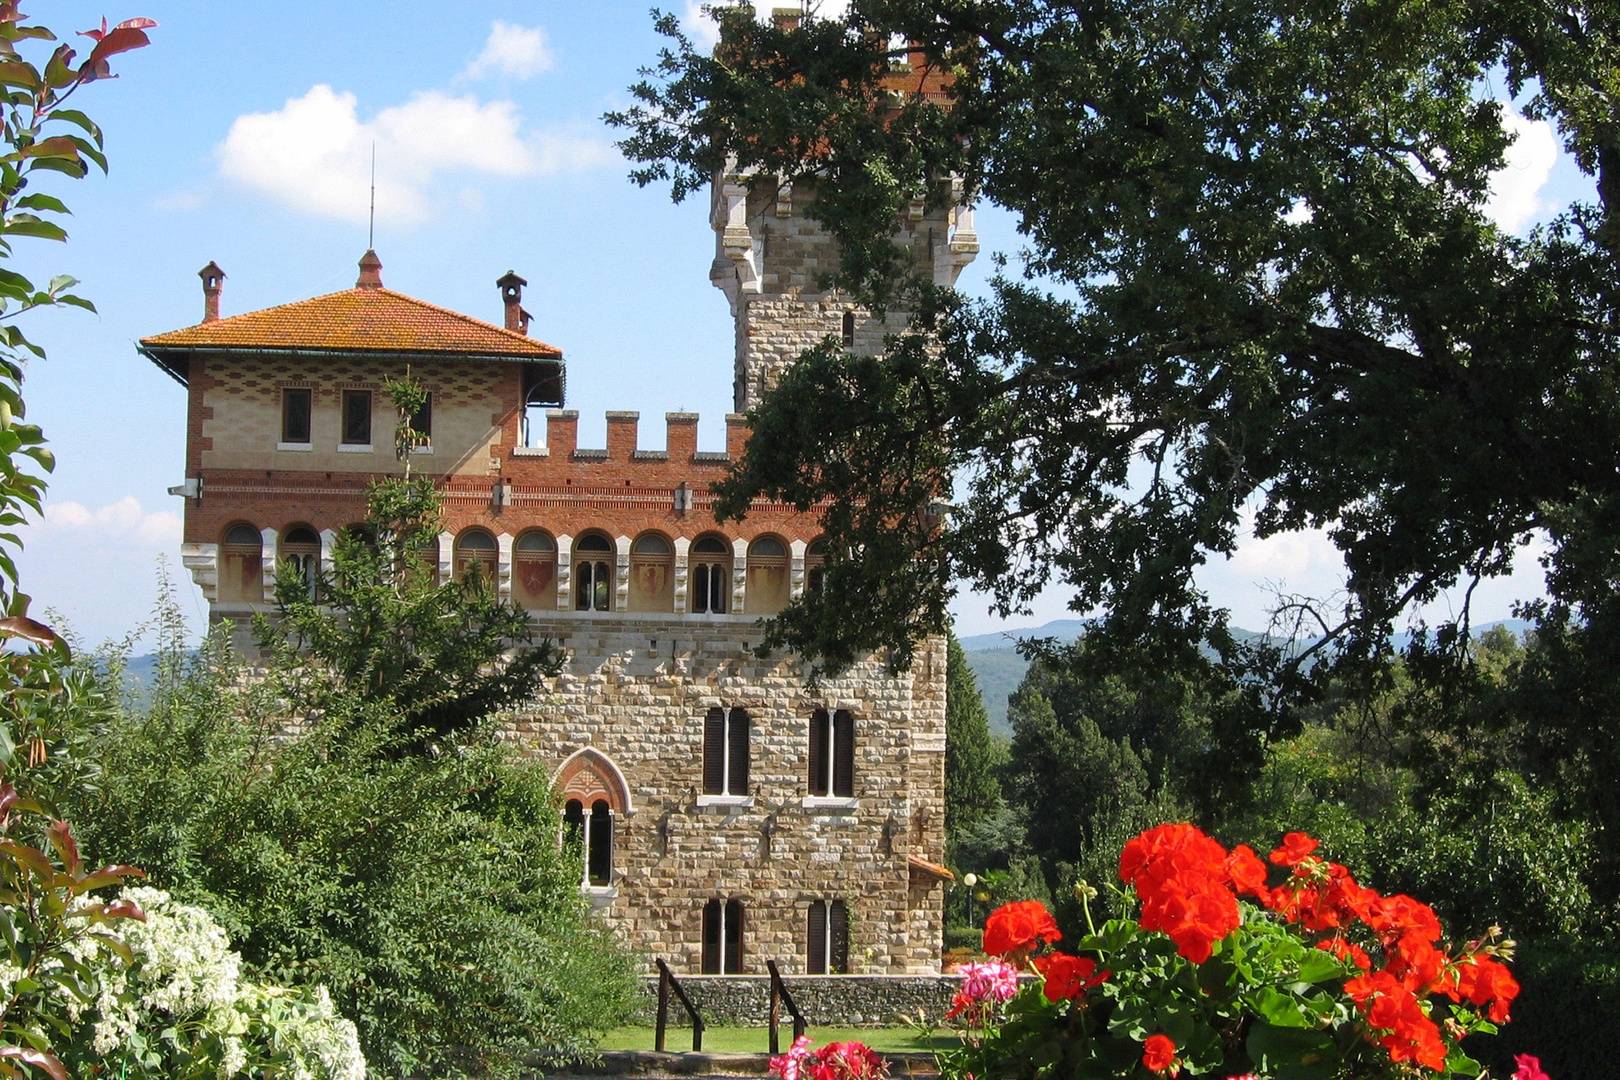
1309 978
835 1061
178 1007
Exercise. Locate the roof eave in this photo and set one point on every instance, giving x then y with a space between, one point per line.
159 352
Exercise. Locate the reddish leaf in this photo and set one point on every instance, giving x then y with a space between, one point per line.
28 858
56 146
127 35
40 1059
8 798
29 630
61 834
125 909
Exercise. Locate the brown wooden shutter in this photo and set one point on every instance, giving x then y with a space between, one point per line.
714 752
734 937
711 938
739 752
838 930
844 749
815 939
818 752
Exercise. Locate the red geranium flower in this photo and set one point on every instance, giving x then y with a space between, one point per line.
1067 977
1015 927
1293 850
1159 1055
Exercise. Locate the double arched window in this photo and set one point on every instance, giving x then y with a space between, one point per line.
301 558
832 754
710 575
593 573
591 834
241 566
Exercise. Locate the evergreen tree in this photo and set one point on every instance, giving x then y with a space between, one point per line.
972 757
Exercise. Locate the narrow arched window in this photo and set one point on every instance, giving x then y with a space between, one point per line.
832 754
722 937
593 573
849 329
767 576
652 574
241 565
301 558
710 575
534 570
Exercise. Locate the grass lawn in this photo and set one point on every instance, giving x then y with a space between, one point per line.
755 1040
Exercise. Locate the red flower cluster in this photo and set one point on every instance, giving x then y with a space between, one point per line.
1067 977
1186 883
1014 928
1322 897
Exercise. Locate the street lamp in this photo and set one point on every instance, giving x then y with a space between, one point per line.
970 880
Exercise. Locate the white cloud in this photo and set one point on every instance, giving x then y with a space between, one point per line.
314 154
699 27
1515 200
512 51
120 522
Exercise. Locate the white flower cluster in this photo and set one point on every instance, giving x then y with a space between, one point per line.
185 972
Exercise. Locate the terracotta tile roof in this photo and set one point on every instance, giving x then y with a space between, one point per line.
356 320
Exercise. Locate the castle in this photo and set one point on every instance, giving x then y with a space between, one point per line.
728 810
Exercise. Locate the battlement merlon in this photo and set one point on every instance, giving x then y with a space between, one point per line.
623 437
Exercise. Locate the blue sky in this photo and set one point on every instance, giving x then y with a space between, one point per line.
243 135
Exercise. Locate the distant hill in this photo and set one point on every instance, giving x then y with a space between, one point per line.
999 669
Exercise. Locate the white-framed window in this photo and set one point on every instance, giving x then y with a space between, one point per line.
296 406
767 576
725 752
827 938
832 754
534 570
723 937
652 573
356 418
476 548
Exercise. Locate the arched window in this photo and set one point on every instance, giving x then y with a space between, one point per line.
241 565
722 937
652 574
593 573
815 566
710 575
767 576
476 553
827 939
832 754
589 838
534 571
301 558
725 752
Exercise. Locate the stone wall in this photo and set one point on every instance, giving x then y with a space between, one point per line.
836 1000
634 698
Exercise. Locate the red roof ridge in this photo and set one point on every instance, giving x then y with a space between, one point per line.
268 328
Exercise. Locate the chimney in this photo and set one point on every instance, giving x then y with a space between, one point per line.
370 272
211 276
511 287
787 20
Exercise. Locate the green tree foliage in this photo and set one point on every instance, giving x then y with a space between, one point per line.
427 891
380 628
1259 283
972 757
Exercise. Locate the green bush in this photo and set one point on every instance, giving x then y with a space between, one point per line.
1569 996
426 890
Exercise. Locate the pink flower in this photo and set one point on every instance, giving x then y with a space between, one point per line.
992 980
791 1065
1529 1068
